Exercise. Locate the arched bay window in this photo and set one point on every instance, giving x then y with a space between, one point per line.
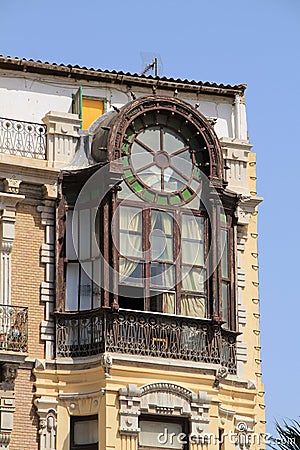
171 246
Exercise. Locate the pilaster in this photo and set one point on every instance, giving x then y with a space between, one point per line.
46 410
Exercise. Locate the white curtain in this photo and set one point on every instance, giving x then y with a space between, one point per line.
130 240
192 305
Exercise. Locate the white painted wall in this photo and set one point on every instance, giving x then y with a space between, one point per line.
29 97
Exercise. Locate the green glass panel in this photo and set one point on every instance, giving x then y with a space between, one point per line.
125 161
148 195
125 147
223 218
137 186
186 194
128 174
197 173
175 200
162 200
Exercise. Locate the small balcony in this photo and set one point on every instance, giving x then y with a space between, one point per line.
22 138
13 328
145 334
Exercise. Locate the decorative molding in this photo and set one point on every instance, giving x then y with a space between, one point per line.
7 409
162 399
246 208
12 185
244 427
106 363
9 373
47 212
222 373
46 410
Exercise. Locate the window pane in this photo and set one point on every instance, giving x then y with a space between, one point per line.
131 231
130 271
162 302
150 137
72 280
192 305
151 177
160 434
172 142
162 275
84 234
192 227
225 303
162 236
192 279
130 218
224 261
193 253
139 156
85 432
173 180
85 286
71 235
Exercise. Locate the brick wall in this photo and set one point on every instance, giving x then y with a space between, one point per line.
28 272
25 431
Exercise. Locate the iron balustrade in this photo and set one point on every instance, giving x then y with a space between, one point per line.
22 138
13 328
145 334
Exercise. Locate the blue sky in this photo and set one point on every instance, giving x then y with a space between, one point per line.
234 41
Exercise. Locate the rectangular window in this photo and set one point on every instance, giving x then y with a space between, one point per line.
166 433
193 296
84 433
225 275
88 108
81 244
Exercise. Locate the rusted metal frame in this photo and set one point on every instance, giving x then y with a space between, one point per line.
214 261
114 256
178 259
60 285
187 113
231 263
106 258
147 252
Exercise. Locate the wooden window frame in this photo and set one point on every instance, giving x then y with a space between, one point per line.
74 419
146 229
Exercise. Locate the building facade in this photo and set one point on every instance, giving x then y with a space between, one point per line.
129 309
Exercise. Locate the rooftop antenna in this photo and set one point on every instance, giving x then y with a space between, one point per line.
155 64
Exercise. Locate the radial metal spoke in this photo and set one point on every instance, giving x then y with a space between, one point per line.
145 167
145 146
161 136
162 180
179 172
181 150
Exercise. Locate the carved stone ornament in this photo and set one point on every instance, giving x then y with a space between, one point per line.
106 363
246 208
46 410
9 373
244 427
162 399
12 185
222 373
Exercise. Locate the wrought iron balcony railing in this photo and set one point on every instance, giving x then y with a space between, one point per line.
13 328
145 334
22 138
